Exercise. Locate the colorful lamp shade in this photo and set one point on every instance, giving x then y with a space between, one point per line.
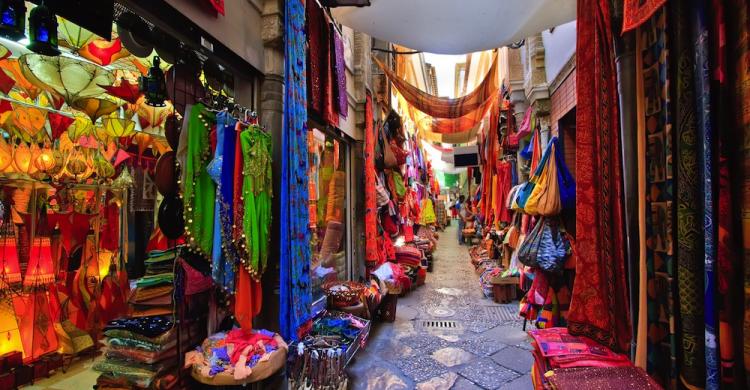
71 78
28 121
10 272
4 52
10 335
96 107
24 157
12 68
152 118
12 19
43 31
103 52
118 127
103 168
48 162
6 155
81 126
40 270
35 323
58 124
126 90
154 85
74 35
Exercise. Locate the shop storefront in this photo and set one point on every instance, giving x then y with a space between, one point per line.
134 179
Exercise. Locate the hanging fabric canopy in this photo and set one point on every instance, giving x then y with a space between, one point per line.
463 137
445 107
433 25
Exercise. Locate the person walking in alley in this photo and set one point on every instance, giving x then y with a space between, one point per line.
458 207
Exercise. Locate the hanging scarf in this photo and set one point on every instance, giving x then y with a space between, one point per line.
637 12
740 74
371 207
200 190
691 364
342 99
706 136
295 285
222 258
318 51
654 122
599 304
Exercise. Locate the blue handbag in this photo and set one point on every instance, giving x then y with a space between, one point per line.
564 180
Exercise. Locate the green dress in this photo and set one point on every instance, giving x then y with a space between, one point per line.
199 190
257 191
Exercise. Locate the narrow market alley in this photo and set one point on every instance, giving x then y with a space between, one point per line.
447 335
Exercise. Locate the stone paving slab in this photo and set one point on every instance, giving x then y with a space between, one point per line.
517 359
487 373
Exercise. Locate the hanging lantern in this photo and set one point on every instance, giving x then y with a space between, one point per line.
46 161
13 19
10 272
24 157
40 270
118 127
43 31
154 85
6 155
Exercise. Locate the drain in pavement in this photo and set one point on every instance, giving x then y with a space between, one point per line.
439 324
501 313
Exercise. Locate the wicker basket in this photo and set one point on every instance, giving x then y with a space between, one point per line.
261 371
344 293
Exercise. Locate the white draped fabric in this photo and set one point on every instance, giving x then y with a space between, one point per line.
456 26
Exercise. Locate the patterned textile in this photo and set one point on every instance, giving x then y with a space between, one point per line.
691 364
442 107
705 165
317 52
637 12
599 304
371 207
340 73
610 378
728 262
296 293
454 125
655 132
740 75
199 191
223 258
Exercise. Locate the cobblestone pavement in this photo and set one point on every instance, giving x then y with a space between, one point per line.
446 335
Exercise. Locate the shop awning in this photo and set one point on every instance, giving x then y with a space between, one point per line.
456 27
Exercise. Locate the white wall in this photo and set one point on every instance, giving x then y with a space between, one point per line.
559 46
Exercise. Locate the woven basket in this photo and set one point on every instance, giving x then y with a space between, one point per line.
344 293
261 371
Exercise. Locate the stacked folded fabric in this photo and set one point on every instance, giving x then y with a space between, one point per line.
568 359
153 293
409 255
139 352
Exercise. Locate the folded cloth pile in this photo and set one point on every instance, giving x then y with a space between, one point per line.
409 255
234 353
486 278
614 378
153 293
139 351
555 349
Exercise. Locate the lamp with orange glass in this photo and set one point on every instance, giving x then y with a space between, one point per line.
40 270
24 157
35 324
47 162
10 335
10 272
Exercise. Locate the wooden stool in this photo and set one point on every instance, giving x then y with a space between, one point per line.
504 289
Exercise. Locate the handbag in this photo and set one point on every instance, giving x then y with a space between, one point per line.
382 194
553 247
549 201
523 195
529 250
398 184
399 153
389 159
566 183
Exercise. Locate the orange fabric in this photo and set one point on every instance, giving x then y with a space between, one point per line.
453 125
445 107
248 299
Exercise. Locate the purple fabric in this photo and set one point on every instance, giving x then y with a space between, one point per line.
340 70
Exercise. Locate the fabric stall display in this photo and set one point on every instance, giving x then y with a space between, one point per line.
295 284
326 68
237 357
560 357
334 339
154 291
